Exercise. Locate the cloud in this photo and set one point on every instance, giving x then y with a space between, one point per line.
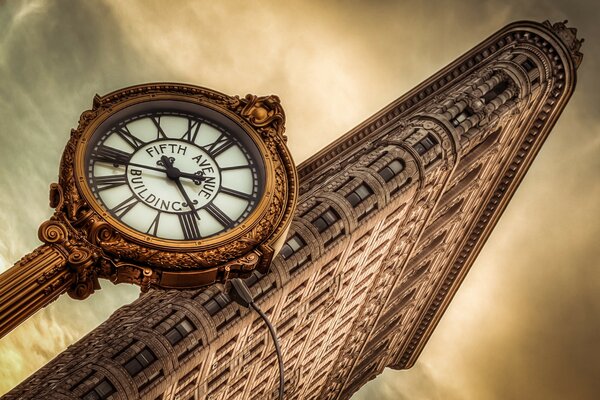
53 57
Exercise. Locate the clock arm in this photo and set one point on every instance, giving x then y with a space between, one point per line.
31 284
187 198
147 167
174 174
65 263
194 177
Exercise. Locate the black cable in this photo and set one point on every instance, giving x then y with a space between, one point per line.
277 348
241 294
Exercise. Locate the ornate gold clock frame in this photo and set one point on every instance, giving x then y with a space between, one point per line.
82 242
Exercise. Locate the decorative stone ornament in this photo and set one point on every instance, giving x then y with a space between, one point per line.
162 185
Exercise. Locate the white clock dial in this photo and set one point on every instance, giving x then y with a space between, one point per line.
174 174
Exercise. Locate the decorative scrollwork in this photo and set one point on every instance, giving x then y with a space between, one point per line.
264 113
81 290
101 232
244 264
81 255
131 273
56 197
52 231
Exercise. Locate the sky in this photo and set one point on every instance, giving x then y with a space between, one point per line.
526 322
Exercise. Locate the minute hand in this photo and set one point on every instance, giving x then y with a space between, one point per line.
187 198
181 174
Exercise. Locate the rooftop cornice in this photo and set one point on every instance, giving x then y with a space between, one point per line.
517 32
530 139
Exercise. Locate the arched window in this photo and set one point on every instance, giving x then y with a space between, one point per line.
293 244
467 112
140 361
359 194
429 141
495 92
101 391
217 303
528 65
325 220
392 169
179 331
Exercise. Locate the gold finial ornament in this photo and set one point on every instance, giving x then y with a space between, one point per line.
162 185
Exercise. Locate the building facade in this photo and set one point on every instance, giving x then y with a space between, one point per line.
391 217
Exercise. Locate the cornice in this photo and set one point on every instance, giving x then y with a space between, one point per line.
532 138
515 33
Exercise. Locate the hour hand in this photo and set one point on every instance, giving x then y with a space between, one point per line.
197 177
175 173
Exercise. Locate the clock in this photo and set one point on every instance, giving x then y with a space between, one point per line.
174 171
177 186
163 185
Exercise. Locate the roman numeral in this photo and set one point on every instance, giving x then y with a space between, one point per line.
217 147
123 208
109 181
110 155
219 215
192 132
153 229
160 134
128 137
189 226
235 193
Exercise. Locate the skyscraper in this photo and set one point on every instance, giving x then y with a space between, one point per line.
391 216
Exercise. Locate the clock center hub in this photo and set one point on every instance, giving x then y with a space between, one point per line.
159 171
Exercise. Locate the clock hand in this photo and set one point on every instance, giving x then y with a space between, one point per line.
146 167
186 197
173 174
193 177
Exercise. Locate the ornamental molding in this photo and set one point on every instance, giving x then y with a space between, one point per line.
529 34
557 95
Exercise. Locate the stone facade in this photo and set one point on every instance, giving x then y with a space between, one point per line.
390 218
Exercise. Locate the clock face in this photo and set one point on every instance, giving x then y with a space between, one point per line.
174 170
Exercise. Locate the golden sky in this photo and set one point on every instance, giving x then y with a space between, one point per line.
526 322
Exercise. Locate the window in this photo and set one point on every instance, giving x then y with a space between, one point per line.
425 144
253 279
217 303
495 91
392 169
140 361
528 65
293 244
101 391
467 112
179 331
326 219
359 194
